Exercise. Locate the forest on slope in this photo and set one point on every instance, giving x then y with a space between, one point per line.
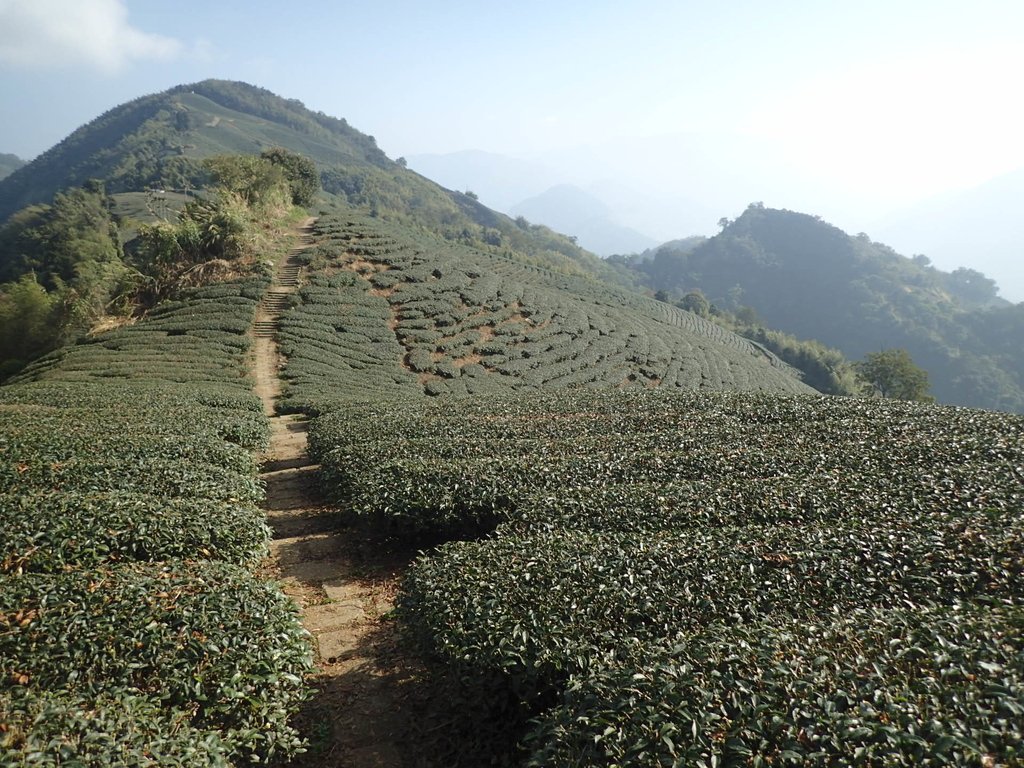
797 273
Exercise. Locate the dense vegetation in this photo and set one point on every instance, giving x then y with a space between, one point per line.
391 311
59 266
132 630
63 267
807 278
687 577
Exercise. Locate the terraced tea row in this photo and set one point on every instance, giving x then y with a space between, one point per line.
577 458
132 630
393 311
688 539
912 686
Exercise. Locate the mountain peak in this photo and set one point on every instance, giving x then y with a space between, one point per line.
161 138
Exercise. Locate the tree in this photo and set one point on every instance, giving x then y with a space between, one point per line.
52 240
747 315
696 302
30 322
972 286
256 180
303 177
891 373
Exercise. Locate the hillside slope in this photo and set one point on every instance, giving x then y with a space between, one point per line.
808 278
393 312
159 141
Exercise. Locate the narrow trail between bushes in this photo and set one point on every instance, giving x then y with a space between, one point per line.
341 584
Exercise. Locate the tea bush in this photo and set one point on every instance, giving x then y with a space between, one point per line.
395 312
50 531
206 638
687 573
900 687
131 630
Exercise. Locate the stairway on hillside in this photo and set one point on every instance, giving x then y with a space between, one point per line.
341 592
278 298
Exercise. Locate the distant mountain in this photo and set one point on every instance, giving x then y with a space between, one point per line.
9 164
500 181
808 278
981 228
578 213
538 193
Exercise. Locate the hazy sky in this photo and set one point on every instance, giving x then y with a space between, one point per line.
841 109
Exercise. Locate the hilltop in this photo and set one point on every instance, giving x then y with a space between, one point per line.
803 276
159 142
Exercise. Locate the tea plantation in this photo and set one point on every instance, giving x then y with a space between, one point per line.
707 578
395 312
132 628
659 552
647 542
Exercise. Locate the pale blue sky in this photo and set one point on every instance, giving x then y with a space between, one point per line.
838 108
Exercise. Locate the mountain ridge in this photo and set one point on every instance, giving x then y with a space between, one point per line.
160 140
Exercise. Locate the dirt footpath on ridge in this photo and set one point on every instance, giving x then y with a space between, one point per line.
342 585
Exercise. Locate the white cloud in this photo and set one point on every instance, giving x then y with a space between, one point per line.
55 34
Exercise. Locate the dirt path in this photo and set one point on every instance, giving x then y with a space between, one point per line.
342 586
